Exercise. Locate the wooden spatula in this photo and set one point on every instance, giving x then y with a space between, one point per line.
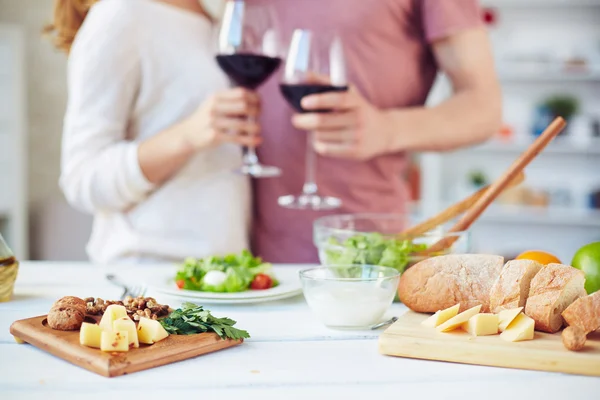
499 185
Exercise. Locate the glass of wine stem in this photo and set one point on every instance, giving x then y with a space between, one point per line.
248 55
314 64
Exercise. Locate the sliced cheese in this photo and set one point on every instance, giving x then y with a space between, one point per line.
114 341
482 325
507 316
441 316
127 325
458 320
90 335
521 328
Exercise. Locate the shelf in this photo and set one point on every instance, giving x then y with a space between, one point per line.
541 216
539 3
548 76
561 147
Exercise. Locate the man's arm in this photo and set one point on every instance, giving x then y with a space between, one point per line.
358 130
472 114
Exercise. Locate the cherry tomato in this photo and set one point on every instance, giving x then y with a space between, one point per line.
180 283
261 282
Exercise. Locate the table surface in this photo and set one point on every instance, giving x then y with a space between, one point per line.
290 356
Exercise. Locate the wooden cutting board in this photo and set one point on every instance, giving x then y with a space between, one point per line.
408 338
65 344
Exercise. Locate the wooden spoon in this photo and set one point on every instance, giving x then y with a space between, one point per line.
499 185
455 210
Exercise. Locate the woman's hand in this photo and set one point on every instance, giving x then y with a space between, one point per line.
354 129
228 116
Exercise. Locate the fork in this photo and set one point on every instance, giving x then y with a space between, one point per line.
133 291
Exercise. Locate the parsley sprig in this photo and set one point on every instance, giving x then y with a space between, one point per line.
191 319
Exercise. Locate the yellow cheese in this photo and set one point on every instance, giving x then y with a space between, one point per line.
441 316
458 320
507 316
150 331
112 313
482 325
19 340
125 324
114 341
90 335
521 328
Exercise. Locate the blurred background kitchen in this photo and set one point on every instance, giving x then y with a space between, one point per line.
548 60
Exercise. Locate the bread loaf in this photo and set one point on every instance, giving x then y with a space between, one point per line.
511 289
552 290
584 313
441 282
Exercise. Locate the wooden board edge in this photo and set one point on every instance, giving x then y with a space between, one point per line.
422 348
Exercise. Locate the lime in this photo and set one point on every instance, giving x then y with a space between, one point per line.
587 259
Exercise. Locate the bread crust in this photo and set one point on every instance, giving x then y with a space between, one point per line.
67 313
511 289
552 290
573 338
443 281
584 313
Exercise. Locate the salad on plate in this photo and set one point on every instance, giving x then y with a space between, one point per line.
227 274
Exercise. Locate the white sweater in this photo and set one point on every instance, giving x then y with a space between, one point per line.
136 68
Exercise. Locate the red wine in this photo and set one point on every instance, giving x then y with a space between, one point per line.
248 70
294 93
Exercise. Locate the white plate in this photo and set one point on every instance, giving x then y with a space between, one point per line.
289 286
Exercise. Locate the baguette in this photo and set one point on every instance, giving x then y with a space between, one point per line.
511 289
441 282
552 290
584 313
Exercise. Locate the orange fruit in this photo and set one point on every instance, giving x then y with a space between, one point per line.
542 257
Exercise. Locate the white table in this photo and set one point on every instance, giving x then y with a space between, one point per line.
290 356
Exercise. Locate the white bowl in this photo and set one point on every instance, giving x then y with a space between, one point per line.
349 296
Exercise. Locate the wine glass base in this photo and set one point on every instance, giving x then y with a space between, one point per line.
259 171
309 202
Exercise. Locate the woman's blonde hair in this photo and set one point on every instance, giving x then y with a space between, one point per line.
68 18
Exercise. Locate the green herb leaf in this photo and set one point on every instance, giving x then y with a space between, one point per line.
191 319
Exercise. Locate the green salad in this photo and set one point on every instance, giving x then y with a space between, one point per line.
228 274
371 249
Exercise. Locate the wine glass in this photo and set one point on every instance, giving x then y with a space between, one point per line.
315 64
248 54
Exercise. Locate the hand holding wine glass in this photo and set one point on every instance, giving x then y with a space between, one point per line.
354 129
248 47
315 65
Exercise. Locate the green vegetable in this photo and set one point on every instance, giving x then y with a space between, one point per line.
191 319
371 249
239 268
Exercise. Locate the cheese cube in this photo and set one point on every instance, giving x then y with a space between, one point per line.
521 328
482 325
458 320
150 331
90 335
441 316
114 341
125 324
112 313
507 316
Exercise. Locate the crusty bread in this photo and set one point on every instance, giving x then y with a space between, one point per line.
67 313
511 289
441 282
573 338
584 313
552 290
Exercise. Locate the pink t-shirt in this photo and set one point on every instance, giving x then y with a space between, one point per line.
390 60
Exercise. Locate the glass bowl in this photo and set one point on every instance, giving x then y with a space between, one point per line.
373 239
349 296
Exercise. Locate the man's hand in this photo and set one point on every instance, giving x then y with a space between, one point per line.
354 129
